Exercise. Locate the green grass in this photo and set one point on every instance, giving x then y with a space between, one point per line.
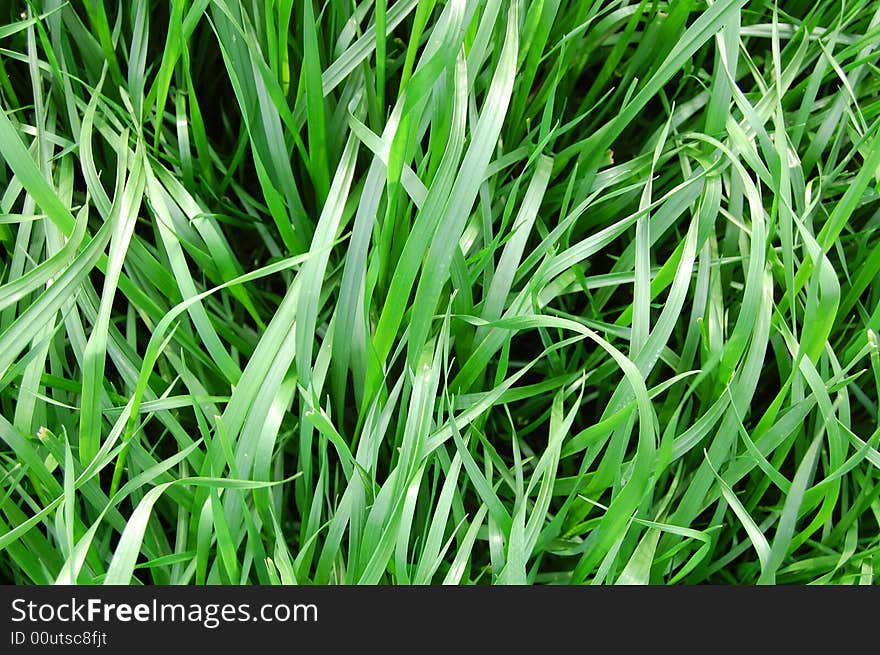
439 292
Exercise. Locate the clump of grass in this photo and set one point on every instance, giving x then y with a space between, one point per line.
423 292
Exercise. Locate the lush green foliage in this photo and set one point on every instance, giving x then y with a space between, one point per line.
473 291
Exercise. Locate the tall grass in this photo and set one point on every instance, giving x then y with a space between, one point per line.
418 292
